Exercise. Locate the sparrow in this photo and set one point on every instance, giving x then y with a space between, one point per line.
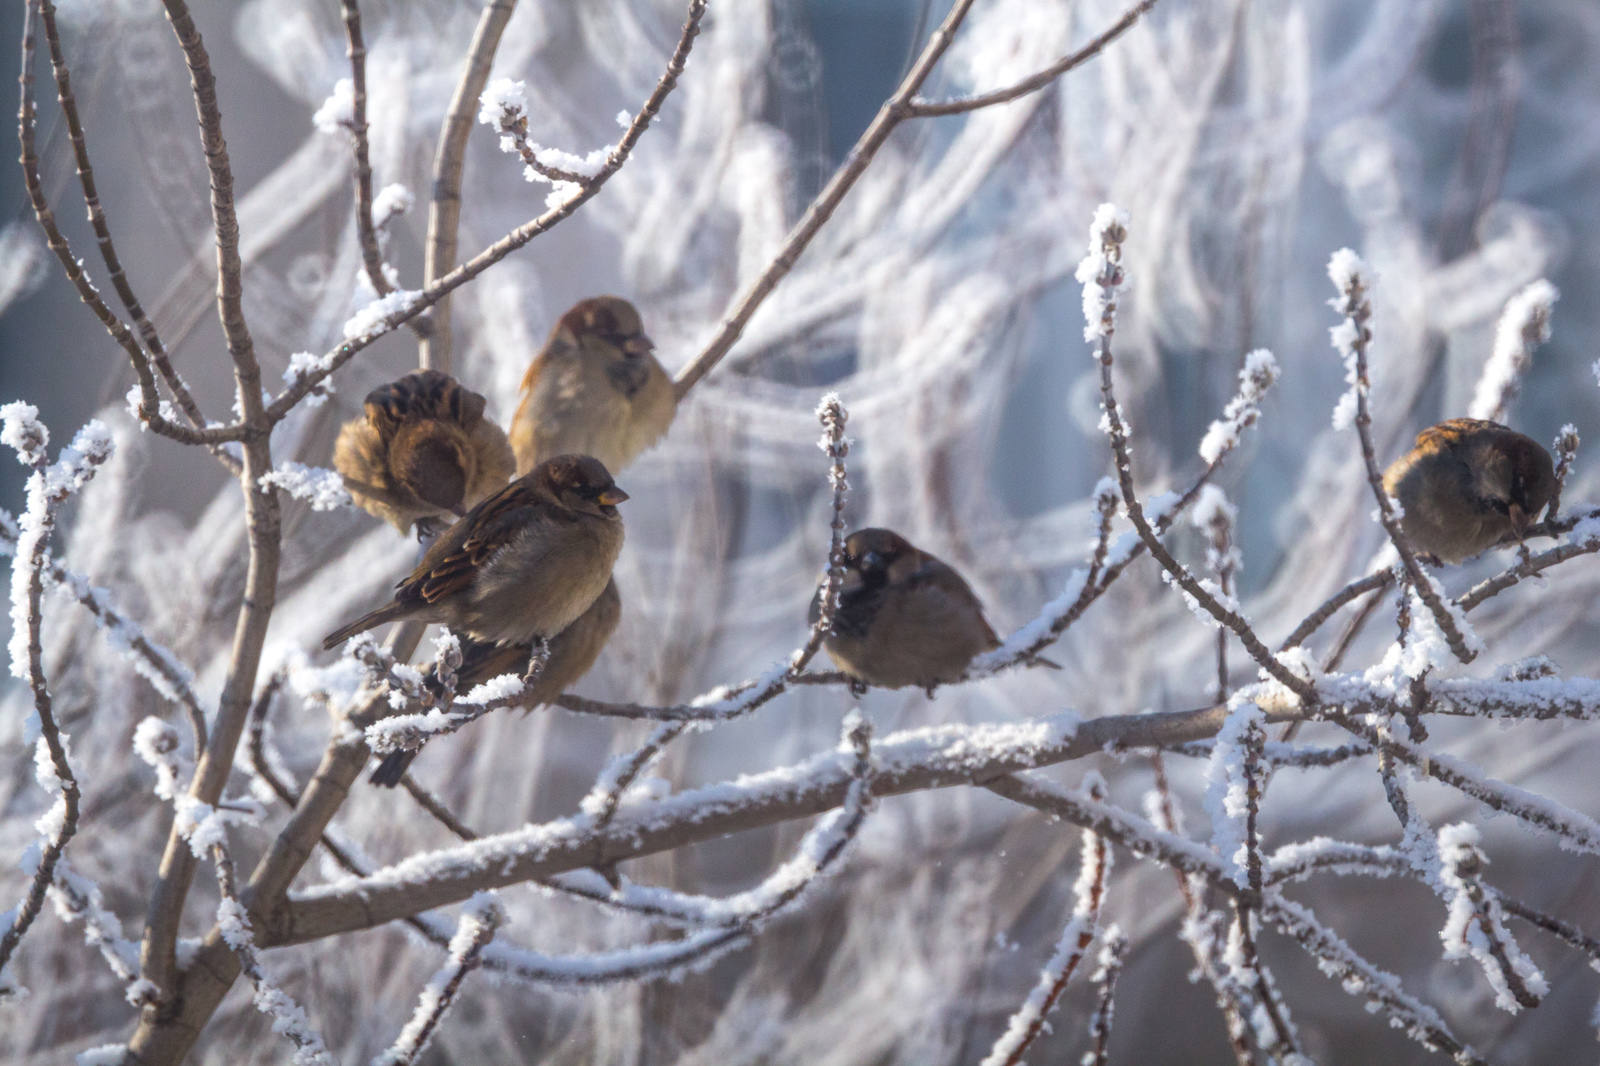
904 617
1467 485
521 565
422 450
594 389
572 652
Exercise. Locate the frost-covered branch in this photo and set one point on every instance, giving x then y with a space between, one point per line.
1102 277
1105 976
1476 926
479 920
1565 447
288 1017
366 232
76 897
1088 892
48 487
1585 540
1523 326
170 677
1353 279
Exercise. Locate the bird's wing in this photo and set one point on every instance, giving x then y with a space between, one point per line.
454 560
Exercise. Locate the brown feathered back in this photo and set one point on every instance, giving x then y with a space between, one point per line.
422 449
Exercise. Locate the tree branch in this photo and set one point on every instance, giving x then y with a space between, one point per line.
444 206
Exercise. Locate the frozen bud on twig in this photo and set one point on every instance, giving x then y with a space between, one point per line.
502 102
391 202
1353 278
338 111
1523 326
21 429
1215 516
1100 272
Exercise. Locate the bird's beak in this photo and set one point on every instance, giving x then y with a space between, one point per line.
640 345
612 496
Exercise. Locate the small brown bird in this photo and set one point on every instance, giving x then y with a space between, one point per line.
522 565
1468 485
572 652
904 617
422 450
594 389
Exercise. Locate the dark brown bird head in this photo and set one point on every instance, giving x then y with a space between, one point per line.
608 328
430 458
876 557
422 394
1515 476
581 483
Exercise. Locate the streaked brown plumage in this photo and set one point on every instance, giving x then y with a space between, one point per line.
523 564
572 652
594 389
904 617
1468 485
422 449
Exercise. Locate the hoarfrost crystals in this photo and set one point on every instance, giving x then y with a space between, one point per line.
323 489
338 111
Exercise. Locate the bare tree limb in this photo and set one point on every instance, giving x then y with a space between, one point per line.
899 107
444 206
263 518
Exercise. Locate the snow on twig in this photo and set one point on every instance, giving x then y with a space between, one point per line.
288 1017
1113 949
48 487
1476 925
479 920
1523 326
1094 872
323 489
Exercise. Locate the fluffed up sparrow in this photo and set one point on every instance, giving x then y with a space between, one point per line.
904 617
594 389
522 565
422 450
1467 485
572 652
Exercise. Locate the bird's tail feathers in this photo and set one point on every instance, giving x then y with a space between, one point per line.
372 620
392 768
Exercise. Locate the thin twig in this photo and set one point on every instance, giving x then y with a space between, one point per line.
1033 82
1089 894
1351 278
483 915
150 404
356 50
108 252
436 289
1111 955
1383 579
899 107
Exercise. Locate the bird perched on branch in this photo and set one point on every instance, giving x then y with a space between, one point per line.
422 450
595 389
572 652
904 617
1467 485
521 565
